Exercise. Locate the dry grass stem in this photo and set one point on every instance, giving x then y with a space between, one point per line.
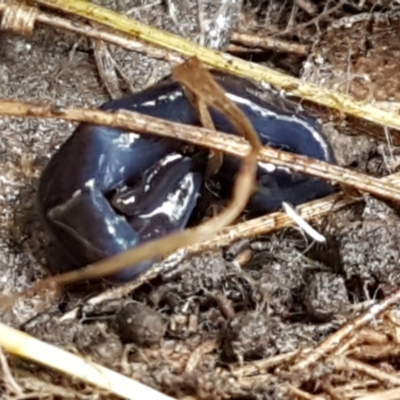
94 32
234 65
26 346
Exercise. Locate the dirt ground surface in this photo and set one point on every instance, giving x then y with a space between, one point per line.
228 325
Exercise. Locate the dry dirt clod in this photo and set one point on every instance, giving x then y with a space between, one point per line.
325 295
137 323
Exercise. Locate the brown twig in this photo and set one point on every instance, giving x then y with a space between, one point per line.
390 394
106 68
333 342
348 364
9 378
234 48
261 366
228 144
301 394
195 357
307 6
270 43
97 33
316 19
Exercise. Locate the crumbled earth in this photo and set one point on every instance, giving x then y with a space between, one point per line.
291 295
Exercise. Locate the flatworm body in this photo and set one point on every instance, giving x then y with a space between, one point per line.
107 190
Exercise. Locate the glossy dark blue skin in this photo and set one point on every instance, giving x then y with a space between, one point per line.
83 188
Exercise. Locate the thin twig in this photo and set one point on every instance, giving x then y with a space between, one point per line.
331 343
270 43
8 375
226 62
94 32
317 18
226 143
390 394
195 357
301 394
261 366
307 6
348 364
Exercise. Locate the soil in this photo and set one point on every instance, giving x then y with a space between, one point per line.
290 295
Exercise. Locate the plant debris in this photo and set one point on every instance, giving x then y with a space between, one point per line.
300 320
